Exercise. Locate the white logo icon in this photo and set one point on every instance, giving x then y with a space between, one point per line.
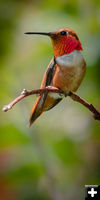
92 192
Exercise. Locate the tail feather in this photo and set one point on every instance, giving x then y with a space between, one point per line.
43 103
35 112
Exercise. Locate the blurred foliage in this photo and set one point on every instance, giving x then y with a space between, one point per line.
60 153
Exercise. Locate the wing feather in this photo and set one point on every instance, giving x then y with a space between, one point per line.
43 101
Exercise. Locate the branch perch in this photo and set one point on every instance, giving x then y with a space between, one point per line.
25 93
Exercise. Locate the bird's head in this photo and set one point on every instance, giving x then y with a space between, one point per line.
64 41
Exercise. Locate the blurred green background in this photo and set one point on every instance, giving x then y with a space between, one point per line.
60 153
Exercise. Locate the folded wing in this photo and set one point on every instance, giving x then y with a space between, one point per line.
47 100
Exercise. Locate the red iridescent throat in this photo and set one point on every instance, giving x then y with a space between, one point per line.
65 45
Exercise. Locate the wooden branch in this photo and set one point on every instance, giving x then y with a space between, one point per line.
96 114
25 93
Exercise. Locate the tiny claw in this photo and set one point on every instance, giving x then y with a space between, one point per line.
70 93
24 91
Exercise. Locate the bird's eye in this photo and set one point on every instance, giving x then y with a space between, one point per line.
64 32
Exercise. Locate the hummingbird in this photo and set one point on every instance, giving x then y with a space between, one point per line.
65 71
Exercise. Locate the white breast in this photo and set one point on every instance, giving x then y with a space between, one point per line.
70 72
74 58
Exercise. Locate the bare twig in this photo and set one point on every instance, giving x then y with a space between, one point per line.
96 114
75 97
26 93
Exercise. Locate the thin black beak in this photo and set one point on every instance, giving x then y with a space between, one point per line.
39 33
